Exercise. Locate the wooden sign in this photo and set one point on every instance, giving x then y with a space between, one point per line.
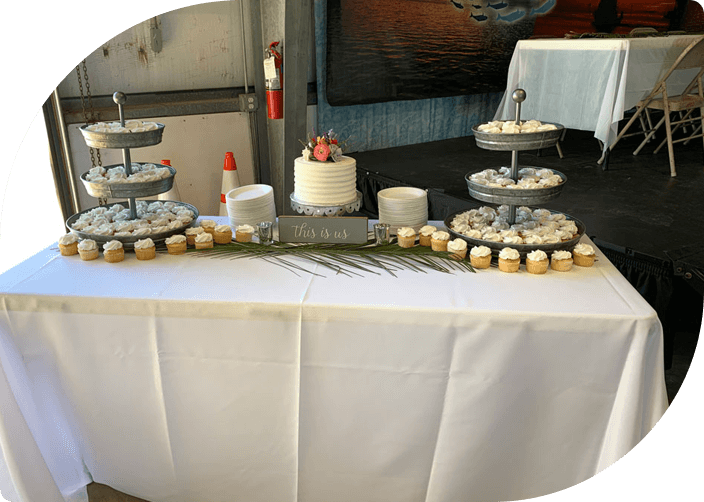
332 229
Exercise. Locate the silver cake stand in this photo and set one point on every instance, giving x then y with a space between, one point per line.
328 209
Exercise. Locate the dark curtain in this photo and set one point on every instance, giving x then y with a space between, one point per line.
440 205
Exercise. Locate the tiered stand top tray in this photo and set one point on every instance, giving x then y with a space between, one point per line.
122 139
518 142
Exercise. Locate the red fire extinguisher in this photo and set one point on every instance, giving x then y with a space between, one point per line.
273 73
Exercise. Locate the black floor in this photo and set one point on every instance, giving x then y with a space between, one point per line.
634 207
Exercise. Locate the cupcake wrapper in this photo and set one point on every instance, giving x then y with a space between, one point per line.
561 265
406 242
243 237
204 245
582 260
145 254
69 250
480 261
89 255
223 237
114 256
537 267
438 245
509 265
424 240
178 248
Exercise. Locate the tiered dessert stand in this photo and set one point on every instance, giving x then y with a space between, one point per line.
517 197
130 191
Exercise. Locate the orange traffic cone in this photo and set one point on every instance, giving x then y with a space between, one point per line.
230 180
173 193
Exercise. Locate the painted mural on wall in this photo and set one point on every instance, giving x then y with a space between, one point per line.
392 50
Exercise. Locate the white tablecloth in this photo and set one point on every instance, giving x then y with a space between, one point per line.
187 378
588 84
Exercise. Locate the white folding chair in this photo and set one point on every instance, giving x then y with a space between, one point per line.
686 103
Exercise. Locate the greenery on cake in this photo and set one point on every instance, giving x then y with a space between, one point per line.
325 148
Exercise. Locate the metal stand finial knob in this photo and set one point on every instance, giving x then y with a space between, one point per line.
119 98
519 95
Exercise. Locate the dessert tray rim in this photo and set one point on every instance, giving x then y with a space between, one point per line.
128 242
524 196
120 190
523 249
518 141
122 139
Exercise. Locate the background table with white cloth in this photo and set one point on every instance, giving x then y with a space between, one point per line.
588 84
189 378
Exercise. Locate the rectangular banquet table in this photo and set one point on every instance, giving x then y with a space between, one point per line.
188 378
588 84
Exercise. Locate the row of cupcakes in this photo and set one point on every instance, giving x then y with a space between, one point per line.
537 261
202 237
509 258
113 251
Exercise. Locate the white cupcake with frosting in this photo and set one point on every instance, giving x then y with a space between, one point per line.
145 249
244 233
583 255
509 260
561 261
439 240
113 251
406 237
480 257
176 244
537 262
457 248
203 240
68 244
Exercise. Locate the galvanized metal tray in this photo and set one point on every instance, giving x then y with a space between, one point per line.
519 141
128 242
128 190
122 139
523 249
515 196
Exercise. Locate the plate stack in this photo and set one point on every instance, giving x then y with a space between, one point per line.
250 204
403 207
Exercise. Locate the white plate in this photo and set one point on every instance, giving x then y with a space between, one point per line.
402 193
250 207
249 192
420 211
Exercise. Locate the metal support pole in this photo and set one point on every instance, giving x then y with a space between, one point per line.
63 133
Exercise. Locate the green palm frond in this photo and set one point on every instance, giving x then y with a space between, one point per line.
346 259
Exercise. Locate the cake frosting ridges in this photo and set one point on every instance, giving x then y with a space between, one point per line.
325 182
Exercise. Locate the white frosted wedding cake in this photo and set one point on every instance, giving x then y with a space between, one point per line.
322 175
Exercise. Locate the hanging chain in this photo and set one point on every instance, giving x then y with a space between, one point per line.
92 118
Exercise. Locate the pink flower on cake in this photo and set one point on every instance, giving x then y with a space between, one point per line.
321 152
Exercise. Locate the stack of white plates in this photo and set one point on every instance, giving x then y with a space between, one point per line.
403 207
250 204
